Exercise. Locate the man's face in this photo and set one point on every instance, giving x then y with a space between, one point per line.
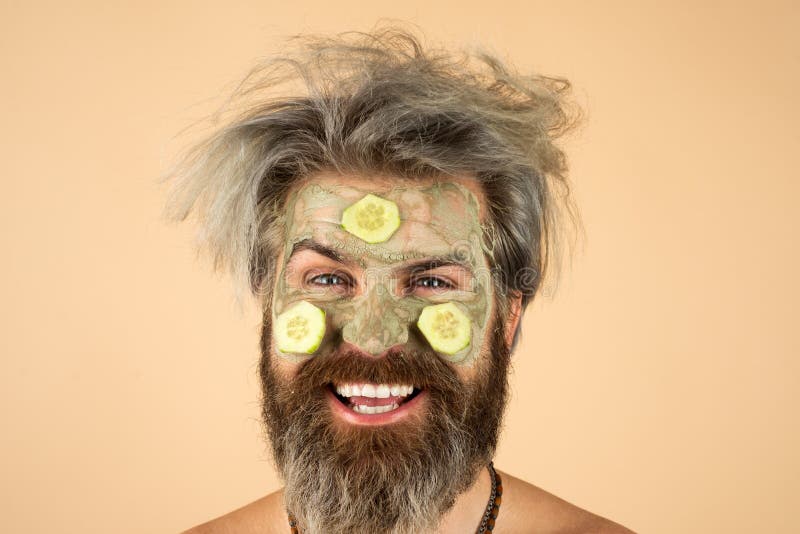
376 427
373 293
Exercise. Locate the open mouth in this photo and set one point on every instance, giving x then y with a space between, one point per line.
370 403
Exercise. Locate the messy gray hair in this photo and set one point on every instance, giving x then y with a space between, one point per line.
381 102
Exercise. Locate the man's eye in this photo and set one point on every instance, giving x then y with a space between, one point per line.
430 282
328 279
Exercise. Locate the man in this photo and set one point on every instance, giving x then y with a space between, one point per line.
394 220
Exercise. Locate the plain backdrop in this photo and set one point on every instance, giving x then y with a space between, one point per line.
659 387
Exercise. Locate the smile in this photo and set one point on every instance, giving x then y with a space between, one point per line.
373 404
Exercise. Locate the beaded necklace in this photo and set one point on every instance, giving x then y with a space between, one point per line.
489 516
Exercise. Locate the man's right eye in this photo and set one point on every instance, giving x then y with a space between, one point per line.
328 279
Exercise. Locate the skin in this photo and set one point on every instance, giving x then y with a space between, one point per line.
374 299
377 309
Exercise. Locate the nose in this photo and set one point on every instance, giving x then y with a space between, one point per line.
376 326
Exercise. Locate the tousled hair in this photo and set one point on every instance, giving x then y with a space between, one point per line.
383 103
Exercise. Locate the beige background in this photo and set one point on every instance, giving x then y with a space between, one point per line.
659 388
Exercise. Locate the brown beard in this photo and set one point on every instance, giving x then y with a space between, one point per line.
395 478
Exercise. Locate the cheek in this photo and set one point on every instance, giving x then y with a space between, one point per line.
466 374
304 333
284 369
477 310
283 366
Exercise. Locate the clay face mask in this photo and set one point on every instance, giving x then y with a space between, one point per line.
380 265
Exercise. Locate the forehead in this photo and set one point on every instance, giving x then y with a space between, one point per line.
436 214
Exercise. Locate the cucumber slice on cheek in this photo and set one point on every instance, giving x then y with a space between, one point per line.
446 327
300 329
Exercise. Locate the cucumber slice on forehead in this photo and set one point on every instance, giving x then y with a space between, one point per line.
300 328
446 327
372 219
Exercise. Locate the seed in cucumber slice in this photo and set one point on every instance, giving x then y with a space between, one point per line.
445 326
372 219
300 328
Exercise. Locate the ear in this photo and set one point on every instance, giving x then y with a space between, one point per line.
515 313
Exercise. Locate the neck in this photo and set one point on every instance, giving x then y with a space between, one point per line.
469 507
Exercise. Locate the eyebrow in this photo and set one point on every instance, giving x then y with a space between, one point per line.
328 252
413 267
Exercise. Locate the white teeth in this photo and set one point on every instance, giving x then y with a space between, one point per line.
380 391
360 408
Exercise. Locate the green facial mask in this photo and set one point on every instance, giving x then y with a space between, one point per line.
437 221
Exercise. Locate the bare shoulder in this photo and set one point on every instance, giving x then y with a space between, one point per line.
264 516
529 509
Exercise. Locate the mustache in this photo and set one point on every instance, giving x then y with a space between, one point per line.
422 369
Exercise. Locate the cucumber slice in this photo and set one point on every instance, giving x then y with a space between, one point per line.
445 326
372 219
300 328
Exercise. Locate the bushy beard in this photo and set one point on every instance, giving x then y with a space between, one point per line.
396 478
